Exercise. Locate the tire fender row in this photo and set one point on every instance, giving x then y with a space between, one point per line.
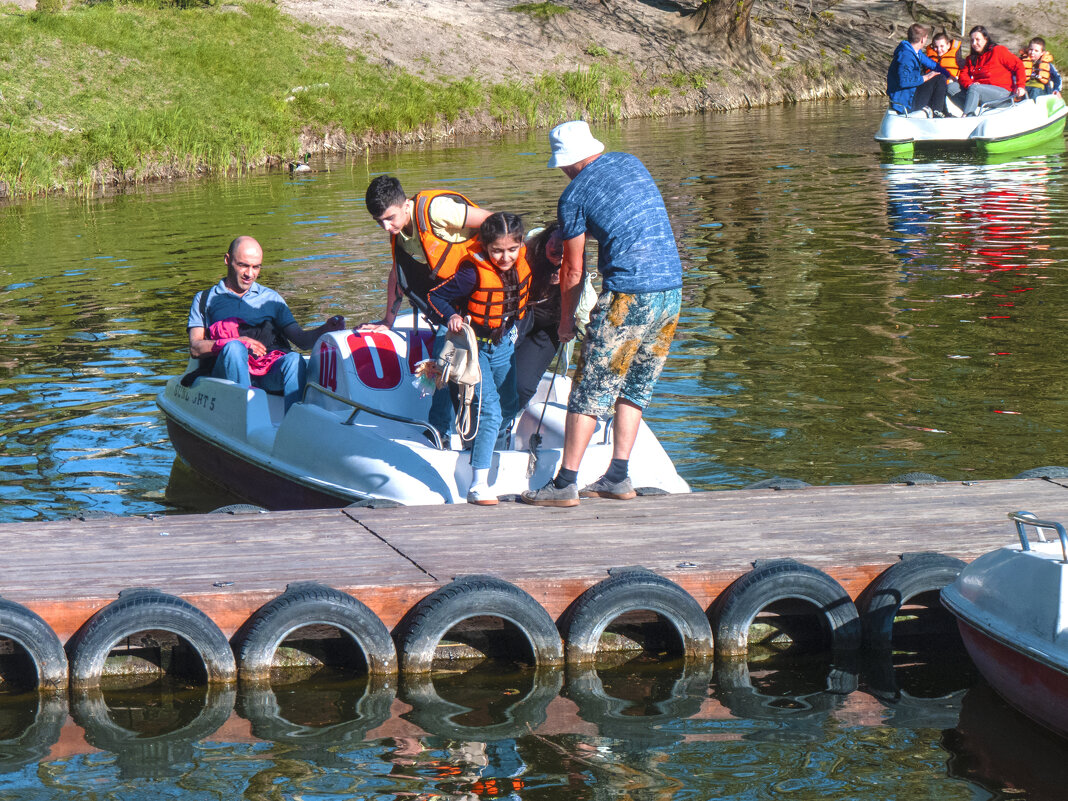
722 631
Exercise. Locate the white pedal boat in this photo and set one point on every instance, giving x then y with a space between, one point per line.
361 433
1011 607
996 129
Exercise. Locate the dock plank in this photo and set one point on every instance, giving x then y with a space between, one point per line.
227 565
389 558
851 532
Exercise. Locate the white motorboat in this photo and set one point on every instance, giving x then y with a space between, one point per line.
361 433
1011 607
996 129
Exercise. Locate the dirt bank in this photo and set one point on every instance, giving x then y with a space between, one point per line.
499 64
801 49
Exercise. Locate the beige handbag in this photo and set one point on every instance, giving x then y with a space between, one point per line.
458 363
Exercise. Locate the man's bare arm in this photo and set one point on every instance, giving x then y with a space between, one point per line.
571 269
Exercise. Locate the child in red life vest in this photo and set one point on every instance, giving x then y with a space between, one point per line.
490 286
1042 76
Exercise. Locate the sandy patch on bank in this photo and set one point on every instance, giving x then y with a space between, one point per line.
836 48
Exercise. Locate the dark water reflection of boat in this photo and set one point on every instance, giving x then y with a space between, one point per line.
999 749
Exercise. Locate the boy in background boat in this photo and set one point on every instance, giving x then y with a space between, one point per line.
1042 76
946 52
912 81
241 331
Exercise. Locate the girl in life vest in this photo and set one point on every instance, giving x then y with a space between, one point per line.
1042 76
490 287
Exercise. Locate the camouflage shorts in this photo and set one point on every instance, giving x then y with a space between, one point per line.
626 345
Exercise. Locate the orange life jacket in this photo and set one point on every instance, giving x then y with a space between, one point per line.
492 302
442 256
947 60
1042 71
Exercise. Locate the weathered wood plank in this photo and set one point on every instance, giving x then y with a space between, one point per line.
389 558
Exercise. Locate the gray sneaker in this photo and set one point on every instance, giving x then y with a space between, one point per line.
603 488
549 495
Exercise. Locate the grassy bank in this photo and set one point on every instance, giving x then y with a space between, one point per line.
109 93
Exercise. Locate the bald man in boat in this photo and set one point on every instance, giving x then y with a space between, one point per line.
613 198
241 331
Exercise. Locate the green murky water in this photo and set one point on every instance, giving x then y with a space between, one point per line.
844 321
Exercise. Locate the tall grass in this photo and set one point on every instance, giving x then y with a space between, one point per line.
596 92
138 90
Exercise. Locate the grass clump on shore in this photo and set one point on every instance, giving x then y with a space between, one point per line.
599 90
135 91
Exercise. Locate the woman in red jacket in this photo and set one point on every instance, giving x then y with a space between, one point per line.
990 73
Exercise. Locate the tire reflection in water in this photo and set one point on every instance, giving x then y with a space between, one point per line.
151 730
487 703
920 688
314 719
640 702
796 695
29 726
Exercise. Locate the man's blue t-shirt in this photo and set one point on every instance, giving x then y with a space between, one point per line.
256 306
615 200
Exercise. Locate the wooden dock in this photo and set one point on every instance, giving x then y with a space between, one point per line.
229 565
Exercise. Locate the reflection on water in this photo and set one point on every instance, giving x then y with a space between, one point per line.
643 730
844 320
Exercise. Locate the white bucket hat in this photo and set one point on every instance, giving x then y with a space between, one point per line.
572 142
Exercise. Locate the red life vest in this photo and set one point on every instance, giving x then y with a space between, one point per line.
493 302
442 256
947 60
415 278
1039 73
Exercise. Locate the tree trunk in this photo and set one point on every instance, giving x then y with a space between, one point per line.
726 19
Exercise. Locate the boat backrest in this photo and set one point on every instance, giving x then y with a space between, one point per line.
372 369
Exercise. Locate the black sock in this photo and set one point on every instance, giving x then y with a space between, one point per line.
617 470
565 477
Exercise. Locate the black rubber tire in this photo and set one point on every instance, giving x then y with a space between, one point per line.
630 590
140 755
440 717
419 632
238 509
40 643
778 483
778 580
917 478
914 574
46 714
258 704
309 603
1052 471
620 719
805 712
140 610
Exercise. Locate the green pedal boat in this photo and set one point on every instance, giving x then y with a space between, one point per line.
995 129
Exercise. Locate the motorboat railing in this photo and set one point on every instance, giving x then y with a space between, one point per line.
357 407
1022 519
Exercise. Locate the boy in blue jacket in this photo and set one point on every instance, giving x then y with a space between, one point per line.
909 87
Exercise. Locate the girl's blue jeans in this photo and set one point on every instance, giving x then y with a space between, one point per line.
497 398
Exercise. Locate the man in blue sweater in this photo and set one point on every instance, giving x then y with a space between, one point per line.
613 199
909 88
